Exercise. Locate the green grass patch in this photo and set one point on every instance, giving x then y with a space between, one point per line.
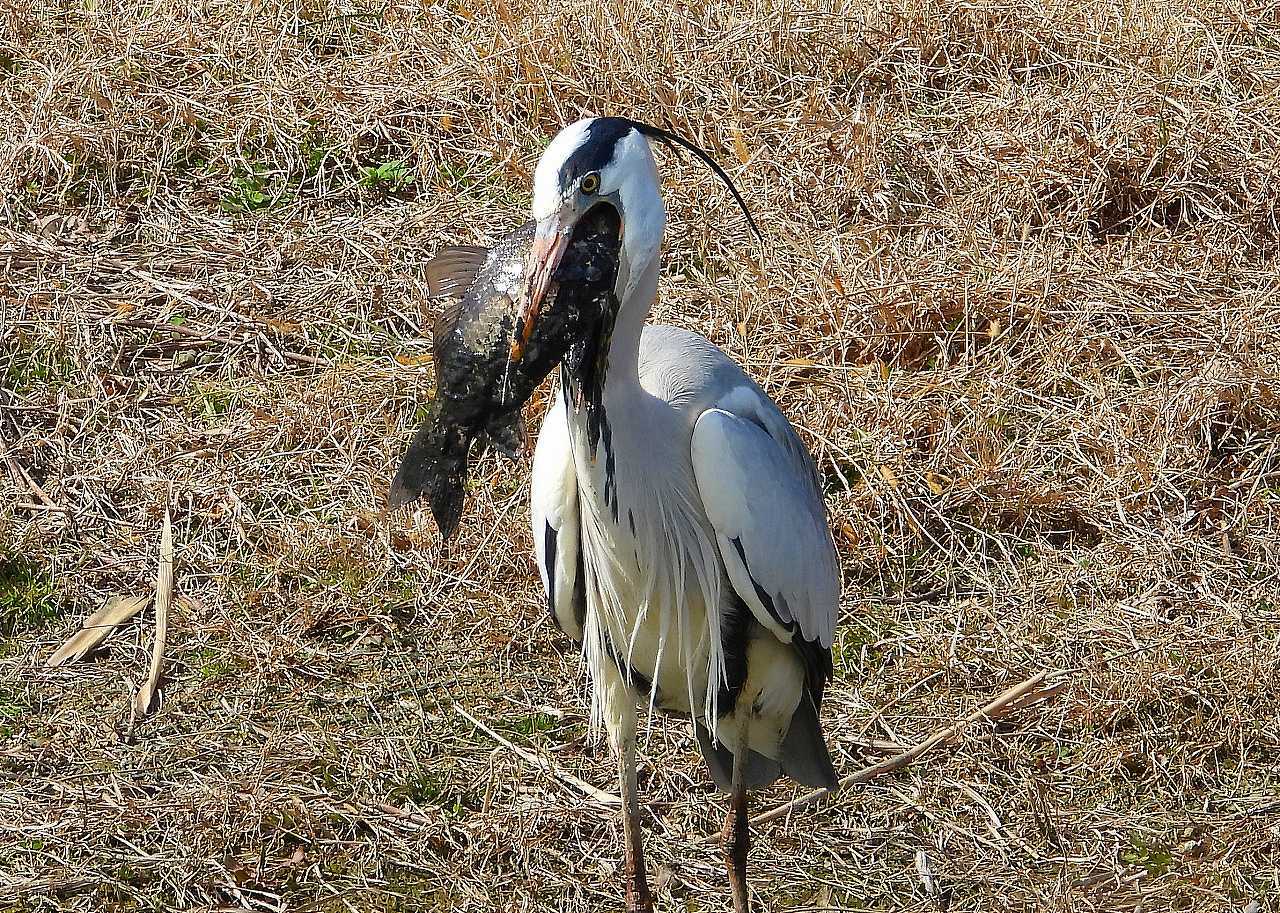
529 725
214 665
854 642
28 600
12 708
1156 859
349 574
480 180
456 176
211 401
40 368
387 176
316 151
427 787
252 190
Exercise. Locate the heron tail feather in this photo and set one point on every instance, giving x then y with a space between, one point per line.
761 771
804 754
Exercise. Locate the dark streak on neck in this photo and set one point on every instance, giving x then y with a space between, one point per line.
583 375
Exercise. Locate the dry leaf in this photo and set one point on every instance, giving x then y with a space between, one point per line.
993 328
446 122
740 147
117 611
414 361
884 369
887 474
931 480
164 597
283 327
800 362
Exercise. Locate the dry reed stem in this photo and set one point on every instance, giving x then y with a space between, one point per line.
999 706
601 797
96 628
164 598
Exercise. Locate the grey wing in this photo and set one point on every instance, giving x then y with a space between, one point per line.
554 518
760 492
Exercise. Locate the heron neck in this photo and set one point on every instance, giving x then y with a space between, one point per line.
633 310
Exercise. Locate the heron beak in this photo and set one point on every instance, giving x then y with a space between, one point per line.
550 241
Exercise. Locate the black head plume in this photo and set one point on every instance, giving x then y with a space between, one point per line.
676 140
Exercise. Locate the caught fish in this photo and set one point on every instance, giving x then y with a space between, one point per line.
481 388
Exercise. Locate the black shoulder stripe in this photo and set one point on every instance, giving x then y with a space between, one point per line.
756 420
765 599
816 660
580 593
610 471
735 630
549 555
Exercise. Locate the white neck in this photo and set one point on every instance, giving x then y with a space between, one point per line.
634 302
644 222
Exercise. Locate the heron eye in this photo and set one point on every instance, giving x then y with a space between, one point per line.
590 182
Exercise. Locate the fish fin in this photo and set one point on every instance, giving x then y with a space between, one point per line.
509 435
451 271
449 275
446 319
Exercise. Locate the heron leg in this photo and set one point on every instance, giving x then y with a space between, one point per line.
736 836
620 720
639 900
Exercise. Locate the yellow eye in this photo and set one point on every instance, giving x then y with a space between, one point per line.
590 182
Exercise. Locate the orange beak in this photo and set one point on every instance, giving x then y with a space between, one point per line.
550 241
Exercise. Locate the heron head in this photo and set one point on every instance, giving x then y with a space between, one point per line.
600 161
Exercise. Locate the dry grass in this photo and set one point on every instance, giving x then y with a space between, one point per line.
1022 298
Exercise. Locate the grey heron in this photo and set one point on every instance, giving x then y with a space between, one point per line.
680 529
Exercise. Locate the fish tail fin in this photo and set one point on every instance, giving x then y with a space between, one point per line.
435 465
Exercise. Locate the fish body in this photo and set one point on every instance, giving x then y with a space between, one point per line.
480 389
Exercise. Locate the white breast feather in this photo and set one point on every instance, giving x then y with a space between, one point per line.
673 557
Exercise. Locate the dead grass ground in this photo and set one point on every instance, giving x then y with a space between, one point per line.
1022 300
